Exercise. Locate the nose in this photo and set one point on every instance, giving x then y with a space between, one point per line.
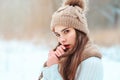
62 40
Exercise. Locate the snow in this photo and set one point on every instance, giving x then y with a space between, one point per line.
22 60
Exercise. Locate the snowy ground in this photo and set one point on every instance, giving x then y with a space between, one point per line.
23 60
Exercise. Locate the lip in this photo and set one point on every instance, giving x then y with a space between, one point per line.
67 46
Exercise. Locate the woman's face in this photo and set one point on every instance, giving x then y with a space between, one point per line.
66 36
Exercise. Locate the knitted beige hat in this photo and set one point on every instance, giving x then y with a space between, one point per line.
71 14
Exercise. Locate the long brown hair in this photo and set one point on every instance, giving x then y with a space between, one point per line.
68 65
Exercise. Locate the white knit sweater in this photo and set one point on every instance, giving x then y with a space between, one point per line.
89 69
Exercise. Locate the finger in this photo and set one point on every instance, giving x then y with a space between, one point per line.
58 53
63 47
61 50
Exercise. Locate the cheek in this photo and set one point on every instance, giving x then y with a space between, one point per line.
72 38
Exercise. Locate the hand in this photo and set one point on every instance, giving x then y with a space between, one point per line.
53 57
60 51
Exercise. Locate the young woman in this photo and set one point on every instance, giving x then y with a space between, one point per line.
75 57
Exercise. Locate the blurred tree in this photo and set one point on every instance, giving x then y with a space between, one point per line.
104 13
56 4
30 19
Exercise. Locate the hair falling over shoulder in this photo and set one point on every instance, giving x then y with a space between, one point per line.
68 65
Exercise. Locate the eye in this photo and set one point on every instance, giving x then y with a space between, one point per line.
56 34
66 31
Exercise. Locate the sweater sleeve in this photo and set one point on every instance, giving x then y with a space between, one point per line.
51 73
90 69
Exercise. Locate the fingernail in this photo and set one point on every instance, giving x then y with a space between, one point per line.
64 47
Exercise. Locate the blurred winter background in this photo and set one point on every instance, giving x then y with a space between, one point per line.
25 36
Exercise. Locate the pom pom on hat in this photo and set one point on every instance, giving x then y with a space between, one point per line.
80 3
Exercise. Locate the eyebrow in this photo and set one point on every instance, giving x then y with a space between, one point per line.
64 29
61 30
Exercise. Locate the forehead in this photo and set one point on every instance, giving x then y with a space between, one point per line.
59 28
